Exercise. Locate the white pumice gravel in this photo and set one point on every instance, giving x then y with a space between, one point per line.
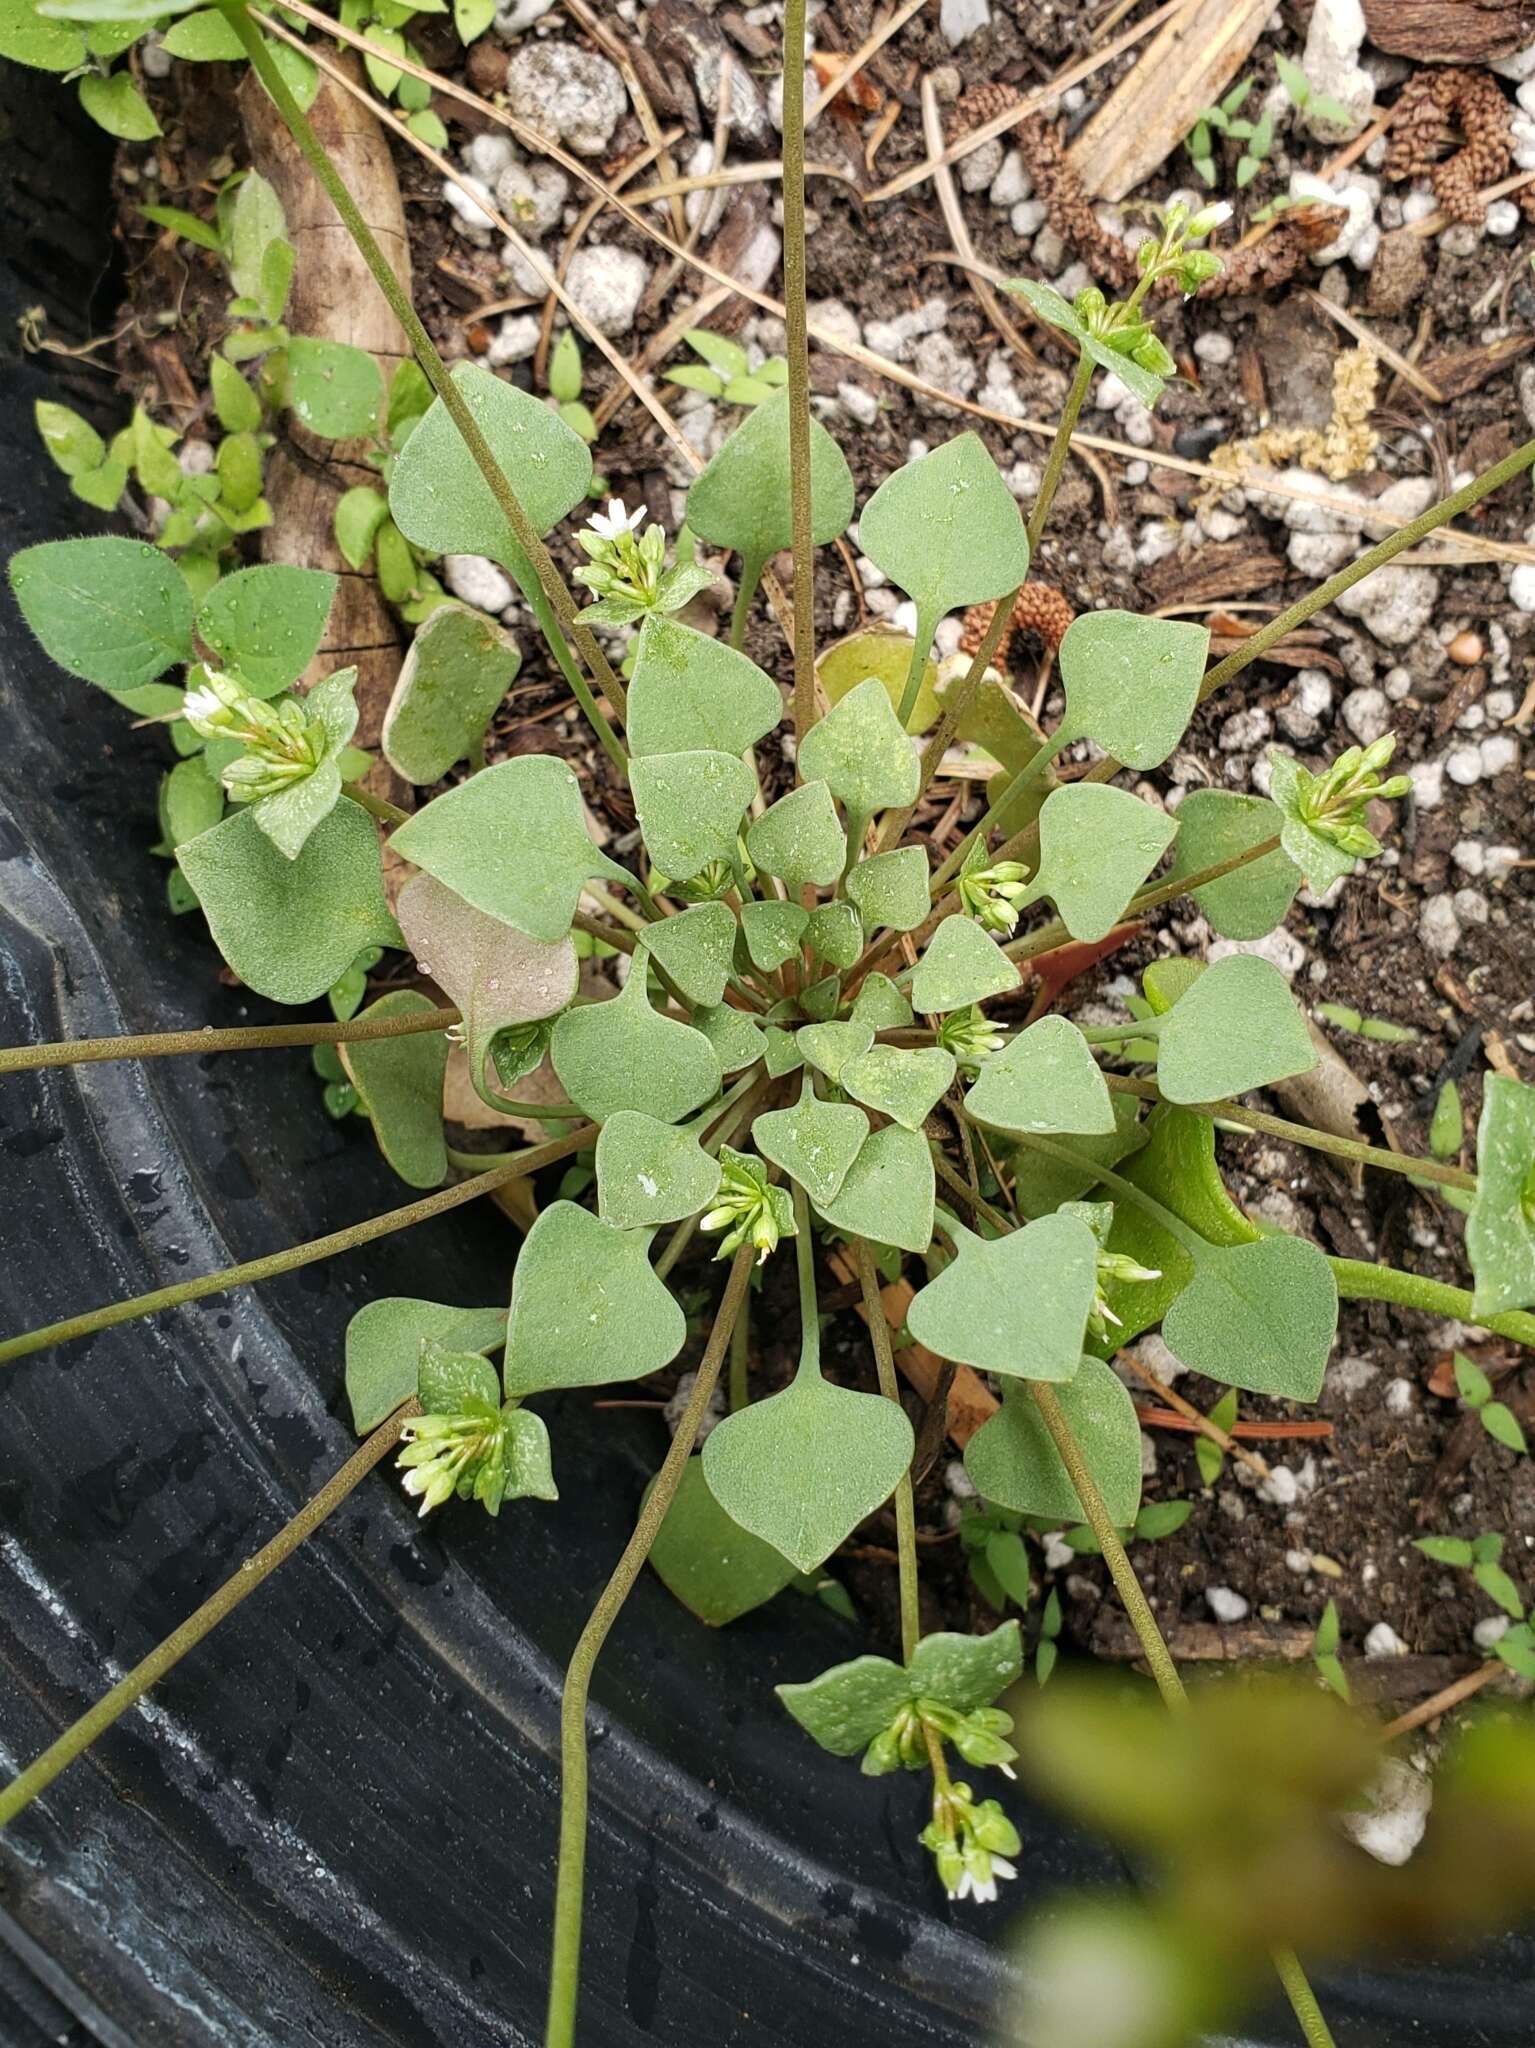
1225 1604
1393 1824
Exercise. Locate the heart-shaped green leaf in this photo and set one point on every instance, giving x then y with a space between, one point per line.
1097 845
1012 1460
447 1378
712 1565
900 1081
888 1192
772 932
881 1005
455 673
859 750
737 1038
695 947
965 1672
1016 1304
267 623
496 976
1260 1316
624 1055
650 1173
961 966
879 651
799 838
383 1349
1237 1027
438 497
690 692
399 1084
741 500
290 928
690 808
835 934
334 389
1040 1185
813 1142
114 612
819 999
511 841
781 1053
803 1468
1500 1230
1132 682
586 1306
947 530
891 888
1216 825
830 1046
1045 1080
847 1706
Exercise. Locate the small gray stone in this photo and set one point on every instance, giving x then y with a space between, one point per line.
515 339
1439 927
1310 703
1214 348
476 580
1393 1823
569 94
1396 604
1245 729
1499 753
606 283
977 170
532 196
1224 1604
1332 68
959 20
1012 182
488 155
1367 715
1464 765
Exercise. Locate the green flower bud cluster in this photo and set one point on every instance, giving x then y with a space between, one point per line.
980 1736
627 572
1333 804
707 886
464 1453
1169 254
283 744
993 895
971 1844
971 1037
1127 336
1114 1266
747 1207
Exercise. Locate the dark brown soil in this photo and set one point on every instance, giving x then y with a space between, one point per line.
1401 1458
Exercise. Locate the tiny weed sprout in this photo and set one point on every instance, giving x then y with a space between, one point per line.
766 1030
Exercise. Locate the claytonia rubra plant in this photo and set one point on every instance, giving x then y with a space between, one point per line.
818 1034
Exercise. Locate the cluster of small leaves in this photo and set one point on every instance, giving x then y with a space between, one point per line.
724 370
1482 1557
1225 119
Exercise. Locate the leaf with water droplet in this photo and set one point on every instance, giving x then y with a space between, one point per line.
586 1306
737 1038
695 947
383 1349
1216 825
1015 1304
455 673
891 888
799 838
961 966
831 1045
1260 1316
1045 1080
1097 845
1132 682
813 1142
114 612
690 808
835 934
888 1192
334 389
899 1081
624 1055
741 500
1236 1027
1500 1230
860 752
689 691
772 931
1012 1460
881 1005
650 1173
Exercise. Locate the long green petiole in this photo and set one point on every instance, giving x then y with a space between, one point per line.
797 349
75 1740
565 1962
276 1263
905 1508
159 1045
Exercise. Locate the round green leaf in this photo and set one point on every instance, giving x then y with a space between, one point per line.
27 37
899 1081
690 808
1500 1229
334 389
72 442
290 928
115 103
799 838
741 500
947 529
1236 1027
1097 845
1260 1316
1016 1304
860 752
399 1084
712 1565
966 1672
802 1469
650 1173
190 802
690 692
1045 1080
891 888
879 651
267 623
455 673
1012 1459
586 1306
624 1055
360 512
512 841
813 1142
888 1192
1216 825
114 612
962 965
1132 682
384 1343
440 500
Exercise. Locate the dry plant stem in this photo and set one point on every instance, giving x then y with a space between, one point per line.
905 1509
1201 1423
565 1961
76 1739
797 348
155 1045
552 587
1442 1702
256 1270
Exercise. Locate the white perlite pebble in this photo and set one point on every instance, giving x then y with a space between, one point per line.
1521 587
568 94
1310 703
469 218
1399 1397
1214 348
1427 784
1159 1361
1392 1826
1333 71
487 156
1225 1604
517 15
835 320
1383 1642
1280 948
1059 1555
1396 604
532 196
859 403
1470 906
1245 729
959 20
1281 1487
515 339
1367 715
1464 765
606 284
977 170
476 580
1357 199
1298 1561
1012 183
1503 218
1499 753
898 338
1491 1631
1439 933
1027 218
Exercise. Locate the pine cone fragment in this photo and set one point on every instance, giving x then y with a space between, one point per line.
1435 104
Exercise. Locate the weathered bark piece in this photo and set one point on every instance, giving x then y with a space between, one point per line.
1187 65
334 298
1449 31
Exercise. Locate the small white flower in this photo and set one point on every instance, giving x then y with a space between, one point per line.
617 522
203 704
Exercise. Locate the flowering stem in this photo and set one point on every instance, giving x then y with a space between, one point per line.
797 349
256 1270
565 1962
905 1510
746 589
580 689
1035 766
377 806
1303 2000
1055 461
1053 934
156 1045
508 503
76 1739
